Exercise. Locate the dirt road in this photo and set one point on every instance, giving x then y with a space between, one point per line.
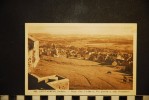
83 74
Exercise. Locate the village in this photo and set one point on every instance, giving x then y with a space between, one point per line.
102 56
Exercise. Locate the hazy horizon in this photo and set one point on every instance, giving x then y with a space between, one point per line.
82 29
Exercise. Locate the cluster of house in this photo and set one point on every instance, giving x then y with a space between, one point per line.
100 55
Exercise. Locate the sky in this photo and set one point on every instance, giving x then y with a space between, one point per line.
82 28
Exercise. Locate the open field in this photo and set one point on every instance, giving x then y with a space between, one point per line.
83 74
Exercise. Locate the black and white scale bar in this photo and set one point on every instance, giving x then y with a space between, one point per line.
23 97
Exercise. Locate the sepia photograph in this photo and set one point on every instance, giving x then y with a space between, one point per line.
80 58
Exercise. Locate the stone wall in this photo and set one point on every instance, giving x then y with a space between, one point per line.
33 52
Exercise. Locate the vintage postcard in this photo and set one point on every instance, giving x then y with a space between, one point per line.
80 58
